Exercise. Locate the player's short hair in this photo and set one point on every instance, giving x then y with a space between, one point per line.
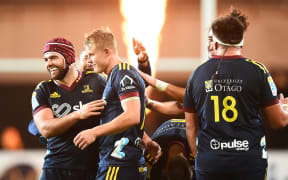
230 29
101 38
179 169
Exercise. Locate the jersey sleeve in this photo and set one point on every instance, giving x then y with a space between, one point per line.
269 90
127 84
189 103
39 99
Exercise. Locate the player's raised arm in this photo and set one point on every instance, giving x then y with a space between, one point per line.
143 59
50 126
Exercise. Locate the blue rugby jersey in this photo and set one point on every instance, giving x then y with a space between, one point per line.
122 149
231 132
61 152
170 132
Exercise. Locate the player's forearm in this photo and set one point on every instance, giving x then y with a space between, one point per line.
118 125
191 131
56 126
276 116
167 108
145 67
145 139
175 92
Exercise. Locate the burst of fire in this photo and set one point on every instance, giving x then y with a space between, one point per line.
143 19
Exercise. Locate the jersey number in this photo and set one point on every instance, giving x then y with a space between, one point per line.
227 107
119 145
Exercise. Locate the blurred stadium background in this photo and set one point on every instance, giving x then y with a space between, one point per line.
25 25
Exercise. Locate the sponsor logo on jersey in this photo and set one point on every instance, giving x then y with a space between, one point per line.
65 108
126 83
86 89
237 145
208 85
224 85
55 95
272 86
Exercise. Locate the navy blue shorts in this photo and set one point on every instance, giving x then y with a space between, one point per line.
244 175
122 173
66 174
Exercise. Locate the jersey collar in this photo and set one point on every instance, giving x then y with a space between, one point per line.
227 57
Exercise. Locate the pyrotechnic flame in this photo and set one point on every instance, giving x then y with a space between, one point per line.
144 20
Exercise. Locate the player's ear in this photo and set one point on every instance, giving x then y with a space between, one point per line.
215 45
107 51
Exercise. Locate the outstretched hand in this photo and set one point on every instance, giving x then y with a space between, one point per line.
92 108
147 78
140 51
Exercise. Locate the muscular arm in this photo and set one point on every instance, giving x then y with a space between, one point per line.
167 108
129 118
276 116
191 130
171 90
50 126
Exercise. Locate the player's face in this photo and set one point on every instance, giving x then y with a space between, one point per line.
98 58
55 65
210 44
86 62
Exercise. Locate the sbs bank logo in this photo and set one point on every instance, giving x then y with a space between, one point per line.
65 108
235 144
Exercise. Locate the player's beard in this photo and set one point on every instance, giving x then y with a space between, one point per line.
60 74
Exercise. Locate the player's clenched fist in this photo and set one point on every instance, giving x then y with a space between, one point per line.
84 138
91 109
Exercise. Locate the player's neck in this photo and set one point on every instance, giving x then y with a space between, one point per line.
70 77
231 51
113 61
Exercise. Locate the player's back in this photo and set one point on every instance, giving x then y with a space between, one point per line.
231 130
123 82
170 132
61 152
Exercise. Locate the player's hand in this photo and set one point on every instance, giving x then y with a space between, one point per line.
84 138
152 151
283 102
140 51
92 108
147 78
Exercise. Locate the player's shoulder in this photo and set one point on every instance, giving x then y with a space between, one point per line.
257 65
43 84
123 69
93 75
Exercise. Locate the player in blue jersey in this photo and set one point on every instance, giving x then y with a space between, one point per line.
62 107
122 121
56 98
223 100
176 161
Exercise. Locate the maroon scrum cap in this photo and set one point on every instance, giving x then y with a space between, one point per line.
62 46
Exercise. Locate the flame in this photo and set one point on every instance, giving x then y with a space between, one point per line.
144 20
